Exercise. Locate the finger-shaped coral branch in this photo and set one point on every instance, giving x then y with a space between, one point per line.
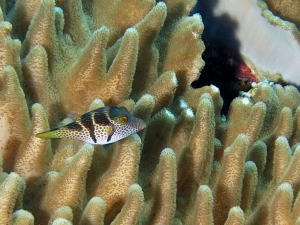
198 156
76 23
66 187
11 189
39 84
163 189
117 80
239 120
163 90
249 187
295 211
286 9
201 149
228 189
165 120
282 158
179 7
204 206
146 68
21 16
94 212
266 94
61 221
285 123
63 212
113 185
22 217
296 124
131 211
12 128
120 74
282 204
258 154
235 216
91 65
9 49
116 18
289 172
192 97
35 155
66 149
289 96
181 133
292 171
143 109
42 30
186 68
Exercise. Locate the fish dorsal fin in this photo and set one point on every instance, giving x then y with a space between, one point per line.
72 116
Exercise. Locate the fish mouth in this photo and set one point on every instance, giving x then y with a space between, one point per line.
141 125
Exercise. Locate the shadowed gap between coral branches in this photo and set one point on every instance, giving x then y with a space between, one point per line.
221 54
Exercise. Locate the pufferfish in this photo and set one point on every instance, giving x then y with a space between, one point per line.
101 126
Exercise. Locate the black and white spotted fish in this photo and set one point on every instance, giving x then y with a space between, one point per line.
101 126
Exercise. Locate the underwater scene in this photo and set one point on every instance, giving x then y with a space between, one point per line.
128 112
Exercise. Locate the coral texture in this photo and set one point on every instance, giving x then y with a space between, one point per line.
191 165
287 9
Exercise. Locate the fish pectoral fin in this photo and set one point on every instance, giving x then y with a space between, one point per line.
110 132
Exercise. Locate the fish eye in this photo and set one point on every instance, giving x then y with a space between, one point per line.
123 119
120 119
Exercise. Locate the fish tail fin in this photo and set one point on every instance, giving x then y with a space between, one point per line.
49 134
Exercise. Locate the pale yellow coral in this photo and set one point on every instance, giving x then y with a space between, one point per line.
235 216
11 193
54 185
113 184
115 17
22 217
134 204
61 221
287 9
163 191
12 128
92 67
189 166
228 190
63 212
34 156
94 212
204 202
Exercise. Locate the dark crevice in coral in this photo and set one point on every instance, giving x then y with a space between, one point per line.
222 70
9 4
218 35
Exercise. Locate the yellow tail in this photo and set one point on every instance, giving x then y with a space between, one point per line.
48 134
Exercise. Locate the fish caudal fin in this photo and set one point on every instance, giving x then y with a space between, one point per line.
48 134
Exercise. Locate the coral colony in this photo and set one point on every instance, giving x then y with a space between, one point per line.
226 152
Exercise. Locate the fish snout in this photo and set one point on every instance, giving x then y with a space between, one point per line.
142 125
137 124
